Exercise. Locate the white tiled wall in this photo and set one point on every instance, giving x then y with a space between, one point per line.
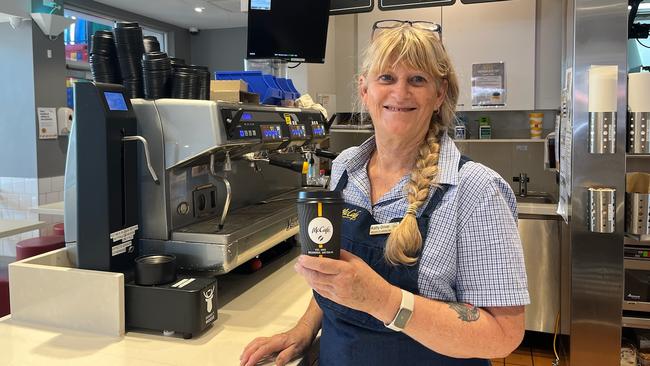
18 196
50 190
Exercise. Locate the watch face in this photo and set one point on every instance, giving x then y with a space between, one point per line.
402 317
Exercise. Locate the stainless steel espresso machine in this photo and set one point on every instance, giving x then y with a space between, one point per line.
225 193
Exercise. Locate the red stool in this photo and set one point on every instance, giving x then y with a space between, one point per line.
35 246
59 229
4 291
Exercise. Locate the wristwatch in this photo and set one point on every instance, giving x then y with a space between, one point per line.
404 313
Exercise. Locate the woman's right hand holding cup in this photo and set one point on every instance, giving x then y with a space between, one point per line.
288 345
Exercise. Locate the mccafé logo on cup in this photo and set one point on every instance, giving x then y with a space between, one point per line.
319 217
320 230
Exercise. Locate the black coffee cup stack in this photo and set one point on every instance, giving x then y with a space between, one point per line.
176 61
103 58
319 217
151 44
185 82
203 74
130 47
157 73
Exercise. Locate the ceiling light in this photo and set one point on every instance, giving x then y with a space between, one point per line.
199 9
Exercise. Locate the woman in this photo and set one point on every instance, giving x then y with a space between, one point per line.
447 286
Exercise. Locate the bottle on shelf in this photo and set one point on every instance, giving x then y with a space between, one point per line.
484 128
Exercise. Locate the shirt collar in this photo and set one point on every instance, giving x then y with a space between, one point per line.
447 162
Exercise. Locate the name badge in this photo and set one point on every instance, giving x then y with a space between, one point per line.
383 228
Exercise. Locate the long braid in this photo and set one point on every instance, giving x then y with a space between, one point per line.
405 241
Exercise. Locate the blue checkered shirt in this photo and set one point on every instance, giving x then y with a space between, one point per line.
472 252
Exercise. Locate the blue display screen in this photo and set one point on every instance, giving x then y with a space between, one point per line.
246 116
115 101
261 4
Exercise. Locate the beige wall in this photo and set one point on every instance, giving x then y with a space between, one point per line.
335 76
348 34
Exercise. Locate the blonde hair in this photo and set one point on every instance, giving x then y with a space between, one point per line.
418 49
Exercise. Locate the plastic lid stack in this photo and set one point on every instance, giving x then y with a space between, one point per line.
103 58
130 47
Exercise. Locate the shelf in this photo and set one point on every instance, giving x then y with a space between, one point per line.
635 322
638 240
638 264
637 156
77 65
501 140
636 306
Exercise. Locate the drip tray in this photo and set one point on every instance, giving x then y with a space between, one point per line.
247 232
243 222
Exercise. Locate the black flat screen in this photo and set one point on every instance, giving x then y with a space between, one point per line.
295 30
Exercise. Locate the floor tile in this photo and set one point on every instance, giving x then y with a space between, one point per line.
543 361
543 352
520 357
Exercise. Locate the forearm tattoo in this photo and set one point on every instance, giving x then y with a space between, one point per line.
466 312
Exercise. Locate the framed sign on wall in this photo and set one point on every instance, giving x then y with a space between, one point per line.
479 1
351 6
409 4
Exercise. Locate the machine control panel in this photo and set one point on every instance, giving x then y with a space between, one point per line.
271 132
318 129
298 131
274 126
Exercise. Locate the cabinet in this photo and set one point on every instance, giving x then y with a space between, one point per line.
540 240
493 32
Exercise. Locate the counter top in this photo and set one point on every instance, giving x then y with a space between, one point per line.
55 208
13 227
266 302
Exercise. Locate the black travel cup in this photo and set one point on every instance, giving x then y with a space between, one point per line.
319 216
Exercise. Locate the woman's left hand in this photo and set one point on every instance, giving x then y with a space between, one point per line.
348 281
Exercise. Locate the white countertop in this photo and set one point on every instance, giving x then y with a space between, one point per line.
260 304
55 208
13 227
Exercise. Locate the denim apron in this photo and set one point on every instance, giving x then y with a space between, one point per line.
354 338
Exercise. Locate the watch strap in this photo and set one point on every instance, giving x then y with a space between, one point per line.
403 313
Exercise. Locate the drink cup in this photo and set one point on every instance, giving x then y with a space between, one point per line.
319 216
535 120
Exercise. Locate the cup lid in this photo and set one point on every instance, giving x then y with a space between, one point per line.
319 195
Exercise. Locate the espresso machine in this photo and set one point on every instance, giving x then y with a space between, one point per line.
102 219
229 176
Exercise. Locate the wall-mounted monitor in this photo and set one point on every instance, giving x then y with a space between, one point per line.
294 30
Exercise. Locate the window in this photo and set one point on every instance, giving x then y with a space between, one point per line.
77 38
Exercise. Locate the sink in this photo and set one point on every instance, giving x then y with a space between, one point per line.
535 198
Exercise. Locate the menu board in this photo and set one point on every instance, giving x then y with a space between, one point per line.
407 4
350 6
